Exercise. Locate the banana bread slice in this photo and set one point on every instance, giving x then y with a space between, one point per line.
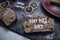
38 24
8 16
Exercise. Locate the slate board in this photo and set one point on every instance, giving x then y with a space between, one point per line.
21 16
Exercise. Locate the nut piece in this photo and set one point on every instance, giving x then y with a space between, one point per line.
38 24
8 16
34 4
28 10
5 4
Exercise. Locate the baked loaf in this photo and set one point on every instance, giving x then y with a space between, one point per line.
38 24
7 15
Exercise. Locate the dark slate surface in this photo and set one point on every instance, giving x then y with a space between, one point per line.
18 27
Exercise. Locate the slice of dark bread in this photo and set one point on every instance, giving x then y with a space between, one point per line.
8 16
38 24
